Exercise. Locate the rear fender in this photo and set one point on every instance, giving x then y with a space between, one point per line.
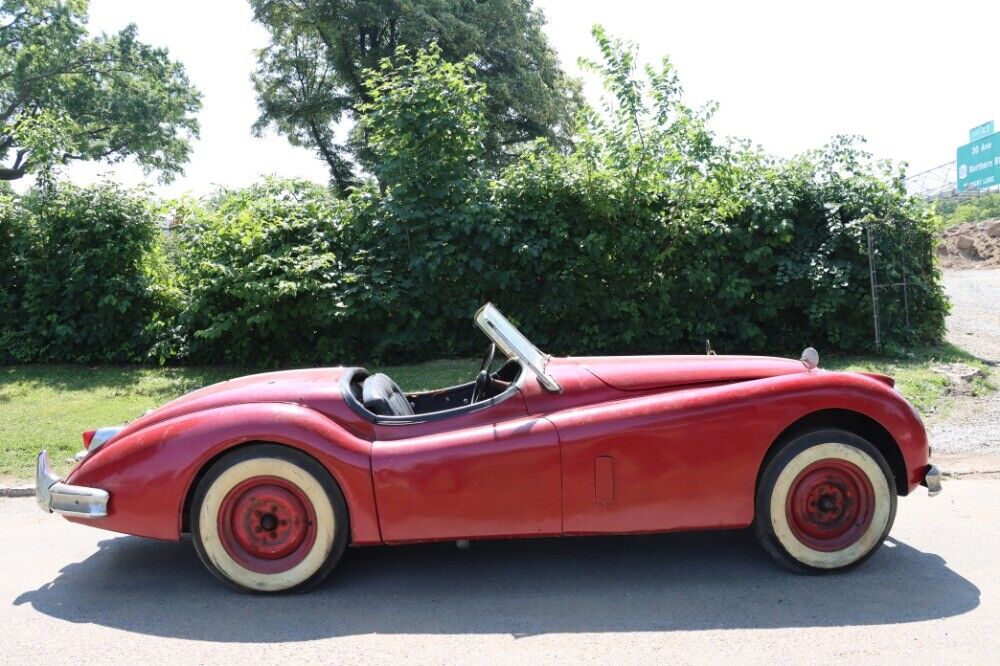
689 458
149 473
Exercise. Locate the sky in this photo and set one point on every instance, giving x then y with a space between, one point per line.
912 77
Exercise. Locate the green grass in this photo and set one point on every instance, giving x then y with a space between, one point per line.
48 406
915 378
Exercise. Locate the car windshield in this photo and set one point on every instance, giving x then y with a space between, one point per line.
513 343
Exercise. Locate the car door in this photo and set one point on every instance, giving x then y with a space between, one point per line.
493 472
652 461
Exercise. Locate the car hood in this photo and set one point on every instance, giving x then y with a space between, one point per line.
318 388
636 373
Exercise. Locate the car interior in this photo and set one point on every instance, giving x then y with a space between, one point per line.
380 395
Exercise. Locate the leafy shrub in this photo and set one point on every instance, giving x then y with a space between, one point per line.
647 237
12 272
601 234
85 290
261 270
804 257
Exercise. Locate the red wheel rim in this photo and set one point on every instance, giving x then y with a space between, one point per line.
830 505
267 524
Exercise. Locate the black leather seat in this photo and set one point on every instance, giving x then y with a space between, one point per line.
383 396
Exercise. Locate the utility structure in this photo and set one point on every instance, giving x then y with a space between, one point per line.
976 169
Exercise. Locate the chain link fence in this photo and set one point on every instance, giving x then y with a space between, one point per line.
902 277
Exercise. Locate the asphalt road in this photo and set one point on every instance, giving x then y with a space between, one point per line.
70 594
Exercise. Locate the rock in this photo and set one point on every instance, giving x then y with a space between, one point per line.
959 378
965 243
942 249
993 231
958 373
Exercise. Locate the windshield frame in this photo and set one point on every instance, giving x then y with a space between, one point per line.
513 343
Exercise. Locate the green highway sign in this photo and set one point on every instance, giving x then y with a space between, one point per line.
981 131
978 163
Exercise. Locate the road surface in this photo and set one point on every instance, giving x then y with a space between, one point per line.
70 594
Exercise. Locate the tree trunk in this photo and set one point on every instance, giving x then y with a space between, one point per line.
11 174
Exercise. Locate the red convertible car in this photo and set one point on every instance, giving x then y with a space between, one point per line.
274 475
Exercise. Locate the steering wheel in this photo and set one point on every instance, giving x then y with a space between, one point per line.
483 379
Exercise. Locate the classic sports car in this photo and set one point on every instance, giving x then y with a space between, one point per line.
275 474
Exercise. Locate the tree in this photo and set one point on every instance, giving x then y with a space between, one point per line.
426 116
425 254
311 77
65 96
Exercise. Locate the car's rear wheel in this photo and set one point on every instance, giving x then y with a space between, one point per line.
267 518
825 502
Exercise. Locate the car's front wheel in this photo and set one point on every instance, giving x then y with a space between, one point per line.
267 518
825 501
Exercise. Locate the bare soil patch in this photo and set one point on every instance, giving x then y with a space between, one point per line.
971 245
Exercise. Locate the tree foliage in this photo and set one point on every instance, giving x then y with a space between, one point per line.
65 96
648 236
311 78
427 246
972 208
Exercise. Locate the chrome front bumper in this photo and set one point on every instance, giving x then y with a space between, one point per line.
57 497
932 479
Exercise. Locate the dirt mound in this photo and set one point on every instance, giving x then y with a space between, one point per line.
971 245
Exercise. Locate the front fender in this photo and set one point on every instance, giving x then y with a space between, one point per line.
873 398
150 472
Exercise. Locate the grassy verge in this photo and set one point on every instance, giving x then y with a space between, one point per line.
49 406
929 391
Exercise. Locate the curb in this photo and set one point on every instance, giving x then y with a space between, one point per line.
17 491
970 472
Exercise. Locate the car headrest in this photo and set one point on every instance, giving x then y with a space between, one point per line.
383 396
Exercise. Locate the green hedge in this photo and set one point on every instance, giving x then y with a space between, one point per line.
80 282
12 272
262 272
649 236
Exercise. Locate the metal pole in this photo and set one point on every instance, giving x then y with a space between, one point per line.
903 252
906 300
871 273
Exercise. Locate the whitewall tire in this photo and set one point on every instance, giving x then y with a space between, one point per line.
825 501
267 518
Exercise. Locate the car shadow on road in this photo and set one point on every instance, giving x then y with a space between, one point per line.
711 580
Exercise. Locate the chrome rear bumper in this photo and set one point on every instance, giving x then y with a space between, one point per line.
932 479
57 497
